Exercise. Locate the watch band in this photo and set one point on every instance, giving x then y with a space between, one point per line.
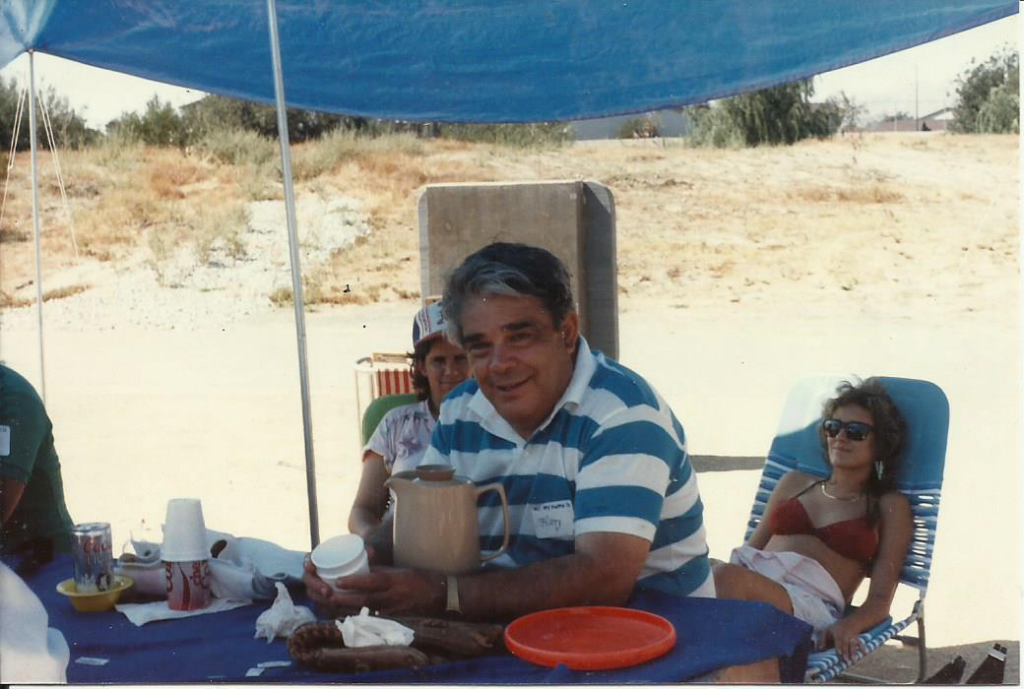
452 585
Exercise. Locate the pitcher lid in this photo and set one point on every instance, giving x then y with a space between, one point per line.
435 472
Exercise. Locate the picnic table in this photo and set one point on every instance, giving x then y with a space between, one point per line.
107 648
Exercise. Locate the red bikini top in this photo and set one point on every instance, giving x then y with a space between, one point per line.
856 539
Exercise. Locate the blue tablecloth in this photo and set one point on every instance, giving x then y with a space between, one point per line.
220 646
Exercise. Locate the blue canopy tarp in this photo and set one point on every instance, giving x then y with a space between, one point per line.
483 60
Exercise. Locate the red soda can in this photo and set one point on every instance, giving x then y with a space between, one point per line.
188 584
94 561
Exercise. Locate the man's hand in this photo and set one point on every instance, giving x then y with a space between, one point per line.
394 591
385 590
320 592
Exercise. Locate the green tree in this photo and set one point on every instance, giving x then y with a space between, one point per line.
850 111
69 128
713 127
159 125
215 113
1000 114
781 114
988 95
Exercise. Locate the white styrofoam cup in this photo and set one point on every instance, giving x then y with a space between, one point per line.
184 532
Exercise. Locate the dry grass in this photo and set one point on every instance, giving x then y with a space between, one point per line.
872 193
7 301
723 222
319 289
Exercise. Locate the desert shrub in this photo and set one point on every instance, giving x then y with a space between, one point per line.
988 96
404 143
638 128
238 147
219 226
261 182
116 152
312 159
537 135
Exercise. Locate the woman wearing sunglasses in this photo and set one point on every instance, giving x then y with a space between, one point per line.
821 537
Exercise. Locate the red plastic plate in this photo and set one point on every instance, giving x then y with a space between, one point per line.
590 638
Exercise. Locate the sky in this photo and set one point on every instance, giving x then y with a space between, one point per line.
883 85
887 84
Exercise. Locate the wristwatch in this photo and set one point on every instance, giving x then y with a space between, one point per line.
452 585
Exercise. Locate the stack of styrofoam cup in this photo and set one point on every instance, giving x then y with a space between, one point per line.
186 555
340 556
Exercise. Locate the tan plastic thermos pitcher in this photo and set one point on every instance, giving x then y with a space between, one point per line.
436 525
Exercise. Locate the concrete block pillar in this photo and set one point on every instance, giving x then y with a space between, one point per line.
573 220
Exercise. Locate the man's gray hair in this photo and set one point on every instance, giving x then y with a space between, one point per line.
511 270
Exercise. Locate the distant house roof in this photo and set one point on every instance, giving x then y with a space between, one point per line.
932 122
943 114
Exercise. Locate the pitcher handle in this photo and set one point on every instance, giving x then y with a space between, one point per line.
500 489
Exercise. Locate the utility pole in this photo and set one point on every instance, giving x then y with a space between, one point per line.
917 119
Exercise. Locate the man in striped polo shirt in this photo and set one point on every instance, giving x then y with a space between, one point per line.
603 498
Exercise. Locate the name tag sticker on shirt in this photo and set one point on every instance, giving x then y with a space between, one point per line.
5 441
552 519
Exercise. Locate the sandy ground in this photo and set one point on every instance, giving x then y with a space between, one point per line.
212 410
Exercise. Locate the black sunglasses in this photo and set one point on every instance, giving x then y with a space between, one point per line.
855 430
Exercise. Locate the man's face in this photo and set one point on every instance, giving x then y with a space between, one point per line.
522 363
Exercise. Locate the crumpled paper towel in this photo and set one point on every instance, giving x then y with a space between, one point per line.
283 617
363 630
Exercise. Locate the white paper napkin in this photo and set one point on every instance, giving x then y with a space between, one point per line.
141 613
363 630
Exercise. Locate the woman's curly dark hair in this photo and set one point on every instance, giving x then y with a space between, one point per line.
419 359
890 428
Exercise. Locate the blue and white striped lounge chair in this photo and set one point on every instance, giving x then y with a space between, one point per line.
919 477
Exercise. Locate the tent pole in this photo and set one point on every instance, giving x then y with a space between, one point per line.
293 251
35 218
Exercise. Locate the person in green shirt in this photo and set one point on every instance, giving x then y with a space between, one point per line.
32 509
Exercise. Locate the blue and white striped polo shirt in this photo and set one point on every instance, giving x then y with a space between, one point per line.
611 457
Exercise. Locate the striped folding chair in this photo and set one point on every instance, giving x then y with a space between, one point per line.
381 375
919 477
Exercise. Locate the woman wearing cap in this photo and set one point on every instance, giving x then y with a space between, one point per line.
820 538
403 435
